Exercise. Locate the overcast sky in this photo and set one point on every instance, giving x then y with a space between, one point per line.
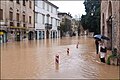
74 7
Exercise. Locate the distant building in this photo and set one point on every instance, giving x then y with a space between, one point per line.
16 20
65 21
46 20
74 25
110 22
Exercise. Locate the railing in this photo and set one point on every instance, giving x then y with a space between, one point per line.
48 26
58 27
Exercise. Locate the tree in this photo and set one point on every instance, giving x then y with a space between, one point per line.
91 20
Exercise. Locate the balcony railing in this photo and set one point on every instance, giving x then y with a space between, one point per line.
48 26
58 27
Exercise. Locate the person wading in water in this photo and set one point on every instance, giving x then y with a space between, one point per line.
102 51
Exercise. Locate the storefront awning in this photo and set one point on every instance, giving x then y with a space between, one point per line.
15 27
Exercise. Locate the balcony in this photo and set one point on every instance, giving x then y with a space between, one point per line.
48 26
58 27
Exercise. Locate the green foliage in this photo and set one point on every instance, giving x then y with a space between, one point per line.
91 20
66 25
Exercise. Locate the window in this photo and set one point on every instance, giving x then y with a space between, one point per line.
55 11
36 16
11 24
51 20
47 7
36 2
103 21
18 24
11 15
30 4
17 1
1 14
51 9
30 19
23 18
56 22
43 5
23 2
17 16
63 20
23 25
43 19
47 19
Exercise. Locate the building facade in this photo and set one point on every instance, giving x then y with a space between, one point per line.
110 22
17 20
46 20
66 22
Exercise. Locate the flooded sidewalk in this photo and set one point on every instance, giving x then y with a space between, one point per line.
36 60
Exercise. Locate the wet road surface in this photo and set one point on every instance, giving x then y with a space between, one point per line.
36 60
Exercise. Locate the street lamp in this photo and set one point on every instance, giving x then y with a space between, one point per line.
79 26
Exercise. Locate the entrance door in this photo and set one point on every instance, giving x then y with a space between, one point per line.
53 34
30 35
47 34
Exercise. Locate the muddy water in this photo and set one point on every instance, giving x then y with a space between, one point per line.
36 60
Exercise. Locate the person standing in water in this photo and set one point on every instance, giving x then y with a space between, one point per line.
102 51
97 45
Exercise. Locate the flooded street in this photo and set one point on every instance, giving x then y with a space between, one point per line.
36 60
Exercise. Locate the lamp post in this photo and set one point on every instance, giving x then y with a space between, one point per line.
79 26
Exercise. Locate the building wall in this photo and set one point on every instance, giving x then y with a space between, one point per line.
14 7
52 12
115 10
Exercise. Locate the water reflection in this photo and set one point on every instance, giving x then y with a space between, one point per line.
35 59
57 66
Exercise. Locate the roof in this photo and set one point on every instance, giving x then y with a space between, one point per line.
63 13
50 3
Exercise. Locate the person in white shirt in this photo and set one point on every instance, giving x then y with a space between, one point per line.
102 51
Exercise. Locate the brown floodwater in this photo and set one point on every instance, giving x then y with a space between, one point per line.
36 60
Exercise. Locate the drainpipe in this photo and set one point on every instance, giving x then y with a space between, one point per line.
34 18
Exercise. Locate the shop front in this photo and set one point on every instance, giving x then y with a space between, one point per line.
16 33
3 36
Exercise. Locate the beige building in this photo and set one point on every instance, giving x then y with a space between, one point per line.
76 25
17 20
110 22
66 23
